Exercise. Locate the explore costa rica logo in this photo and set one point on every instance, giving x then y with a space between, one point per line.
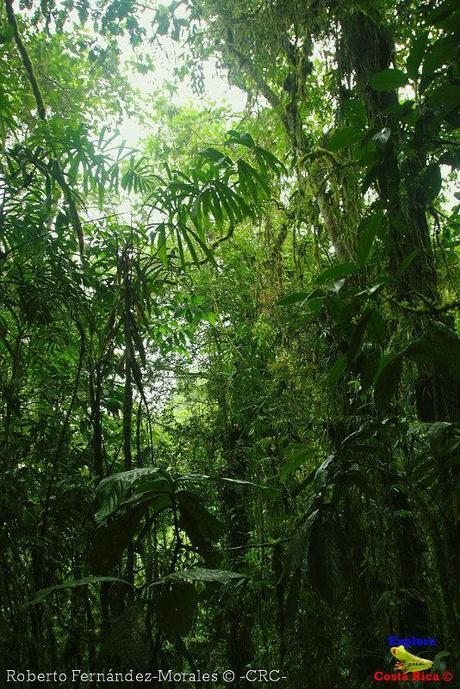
412 668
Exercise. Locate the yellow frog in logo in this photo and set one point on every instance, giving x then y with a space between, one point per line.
408 662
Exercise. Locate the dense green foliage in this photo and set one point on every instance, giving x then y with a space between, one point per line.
230 366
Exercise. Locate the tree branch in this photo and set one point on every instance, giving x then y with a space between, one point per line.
265 89
58 173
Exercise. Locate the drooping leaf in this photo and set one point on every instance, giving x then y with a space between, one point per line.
322 473
245 139
298 549
338 369
367 234
202 527
162 246
86 581
203 246
387 379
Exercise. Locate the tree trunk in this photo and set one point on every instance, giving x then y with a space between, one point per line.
367 47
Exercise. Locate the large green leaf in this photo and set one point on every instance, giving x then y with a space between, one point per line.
431 182
112 490
342 138
155 500
388 80
416 54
